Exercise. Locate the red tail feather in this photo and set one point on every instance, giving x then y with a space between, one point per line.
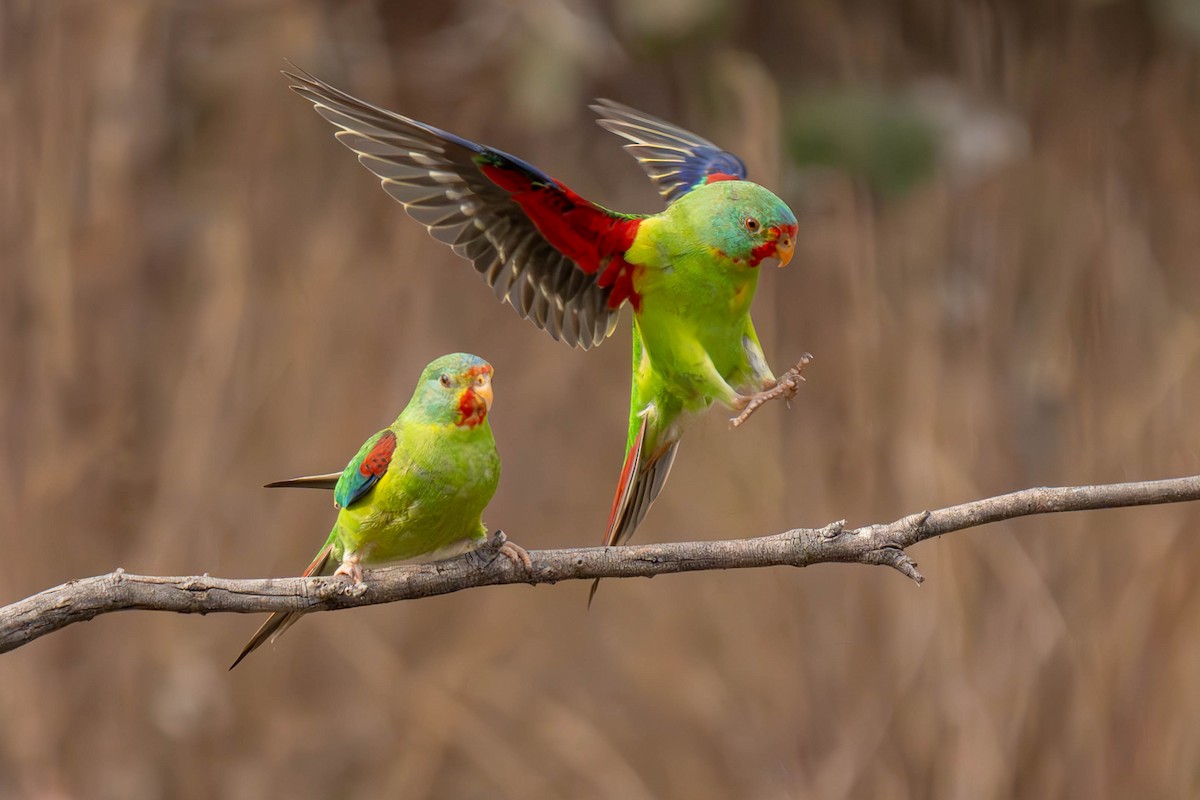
624 485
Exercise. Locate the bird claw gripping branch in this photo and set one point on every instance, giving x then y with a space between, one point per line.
518 555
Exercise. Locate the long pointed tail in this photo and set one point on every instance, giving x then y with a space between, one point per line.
647 465
280 621
328 481
648 462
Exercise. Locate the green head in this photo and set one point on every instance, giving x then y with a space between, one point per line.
741 220
453 390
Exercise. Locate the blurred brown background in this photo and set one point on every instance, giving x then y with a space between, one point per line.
201 291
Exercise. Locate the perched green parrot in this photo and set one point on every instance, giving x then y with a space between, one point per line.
568 265
416 489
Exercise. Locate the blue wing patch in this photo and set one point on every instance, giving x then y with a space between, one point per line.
676 160
365 470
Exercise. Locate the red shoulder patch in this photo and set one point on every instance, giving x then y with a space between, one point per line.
575 227
721 176
377 461
619 275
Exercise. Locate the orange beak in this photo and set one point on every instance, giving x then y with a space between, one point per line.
784 247
484 393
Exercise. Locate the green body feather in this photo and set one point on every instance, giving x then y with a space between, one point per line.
693 340
428 502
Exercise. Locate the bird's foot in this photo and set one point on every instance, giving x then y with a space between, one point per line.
352 569
786 388
518 555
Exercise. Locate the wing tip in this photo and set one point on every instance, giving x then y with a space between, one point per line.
602 104
354 113
300 77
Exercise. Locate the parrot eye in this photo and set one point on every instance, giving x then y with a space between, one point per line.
481 380
445 379
752 224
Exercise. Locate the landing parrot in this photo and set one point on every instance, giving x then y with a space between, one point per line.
568 265
416 489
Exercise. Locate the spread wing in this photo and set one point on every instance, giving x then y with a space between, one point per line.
551 254
676 160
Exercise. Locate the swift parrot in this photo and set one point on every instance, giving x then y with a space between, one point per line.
568 265
417 488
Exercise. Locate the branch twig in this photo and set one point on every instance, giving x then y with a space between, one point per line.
884 544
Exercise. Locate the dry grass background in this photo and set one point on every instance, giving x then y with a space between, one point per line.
200 291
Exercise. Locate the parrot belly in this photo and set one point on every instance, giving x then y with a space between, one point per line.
692 342
425 509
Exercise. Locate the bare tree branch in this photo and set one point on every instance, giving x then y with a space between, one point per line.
885 544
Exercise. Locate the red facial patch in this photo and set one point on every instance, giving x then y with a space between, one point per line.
764 250
767 249
472 410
